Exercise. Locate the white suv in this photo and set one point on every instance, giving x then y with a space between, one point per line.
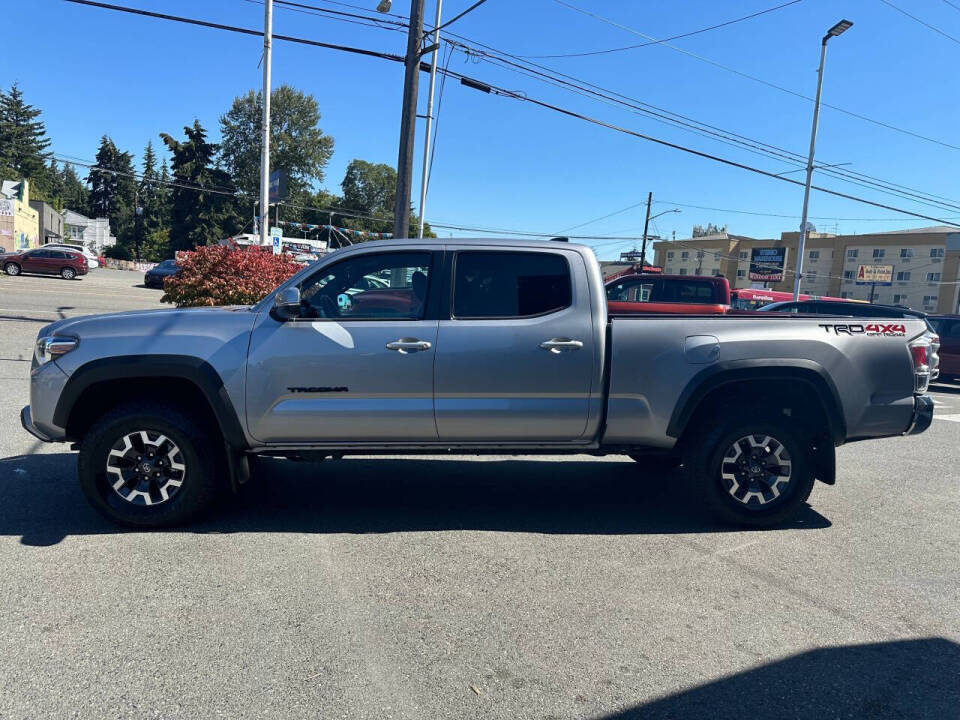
91 259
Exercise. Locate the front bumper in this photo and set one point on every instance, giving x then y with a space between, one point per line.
922 415
28 425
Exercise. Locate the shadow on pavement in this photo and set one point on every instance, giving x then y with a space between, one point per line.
900 679
40 499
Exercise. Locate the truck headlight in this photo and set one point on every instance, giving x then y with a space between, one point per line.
52 347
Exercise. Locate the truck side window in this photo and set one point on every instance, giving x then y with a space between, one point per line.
510 284
384 286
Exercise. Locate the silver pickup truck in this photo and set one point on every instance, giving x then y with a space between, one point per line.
466 346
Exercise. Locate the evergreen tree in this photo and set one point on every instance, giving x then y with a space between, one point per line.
151 216
201 214
112 190
55 186
76 195
23 141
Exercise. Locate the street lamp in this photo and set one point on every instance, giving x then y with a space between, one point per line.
837 30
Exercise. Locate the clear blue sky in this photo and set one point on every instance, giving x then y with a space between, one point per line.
508 164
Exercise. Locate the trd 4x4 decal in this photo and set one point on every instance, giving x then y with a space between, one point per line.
871 329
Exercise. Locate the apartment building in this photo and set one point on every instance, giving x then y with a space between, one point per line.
925 261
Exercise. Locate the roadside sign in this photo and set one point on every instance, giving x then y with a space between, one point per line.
278 186
276 235
875 275
766 264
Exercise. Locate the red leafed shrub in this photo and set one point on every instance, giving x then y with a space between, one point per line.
225 275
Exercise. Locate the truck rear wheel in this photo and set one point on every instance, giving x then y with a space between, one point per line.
149 466
755 473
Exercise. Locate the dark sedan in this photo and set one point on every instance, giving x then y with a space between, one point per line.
154 278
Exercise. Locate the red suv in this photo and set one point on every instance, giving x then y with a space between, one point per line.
47 261
948 328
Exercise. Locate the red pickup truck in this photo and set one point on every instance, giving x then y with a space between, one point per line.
674 294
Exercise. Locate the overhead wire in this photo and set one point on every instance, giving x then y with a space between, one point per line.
922 22
524 98
667 39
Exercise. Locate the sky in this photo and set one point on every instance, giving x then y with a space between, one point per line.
503 163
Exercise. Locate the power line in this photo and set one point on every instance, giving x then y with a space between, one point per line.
524 98
756 79
457 17
955 7
700 128
668 39
925 24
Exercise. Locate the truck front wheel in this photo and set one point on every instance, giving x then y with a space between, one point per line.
755 473
148 466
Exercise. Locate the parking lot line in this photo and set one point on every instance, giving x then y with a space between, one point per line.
954 417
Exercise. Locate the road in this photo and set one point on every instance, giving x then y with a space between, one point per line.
471 588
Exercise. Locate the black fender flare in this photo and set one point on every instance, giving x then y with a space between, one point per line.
183 367
802 370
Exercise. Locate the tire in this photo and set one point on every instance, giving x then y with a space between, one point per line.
753 494
68 273
181 482
12 269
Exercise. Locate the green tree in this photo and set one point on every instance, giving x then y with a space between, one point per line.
76 195
369 193
297 144
112 190
23 141
201 214
152 216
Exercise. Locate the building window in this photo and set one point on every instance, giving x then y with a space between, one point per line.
683 271
879 252
929 300
933 277
906 253
899 299
715 272
741 273
903 276
810 276
699 254
814 254
936 253
744 254
844 295
684 255
852 253
848 274
670 255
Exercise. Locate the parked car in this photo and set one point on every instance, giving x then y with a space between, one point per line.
154 277
92 260
474 346
948 328
673 294
46 261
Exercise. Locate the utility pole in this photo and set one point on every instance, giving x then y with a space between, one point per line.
265 141
426 134
836 30
646 225
408 121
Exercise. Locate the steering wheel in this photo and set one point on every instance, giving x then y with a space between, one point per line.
327 307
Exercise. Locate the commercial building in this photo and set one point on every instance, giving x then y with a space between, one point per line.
51 222
924 264
19 223
92 232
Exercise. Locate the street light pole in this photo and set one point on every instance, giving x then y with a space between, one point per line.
408 121
265 133
836 30
426 134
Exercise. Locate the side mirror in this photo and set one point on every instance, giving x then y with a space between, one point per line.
286 303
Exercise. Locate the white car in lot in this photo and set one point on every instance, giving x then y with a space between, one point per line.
91 259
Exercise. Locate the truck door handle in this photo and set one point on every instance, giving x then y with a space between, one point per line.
559 345
408 345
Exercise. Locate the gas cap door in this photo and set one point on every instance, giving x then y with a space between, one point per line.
701 349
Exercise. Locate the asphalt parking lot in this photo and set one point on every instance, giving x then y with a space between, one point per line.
462 587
